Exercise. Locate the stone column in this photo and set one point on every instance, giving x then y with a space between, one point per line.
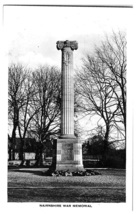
67 88
67 151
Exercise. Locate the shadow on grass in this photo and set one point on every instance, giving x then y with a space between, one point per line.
42 171
30 170
67 195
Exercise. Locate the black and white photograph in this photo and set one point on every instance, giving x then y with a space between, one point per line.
68 141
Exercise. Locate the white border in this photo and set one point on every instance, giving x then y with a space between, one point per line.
33 207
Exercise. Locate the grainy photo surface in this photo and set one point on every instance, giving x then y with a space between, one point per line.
67 69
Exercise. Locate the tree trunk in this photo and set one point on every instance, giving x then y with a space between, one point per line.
9 153
12 148
21 153
39 159
106 138
105 146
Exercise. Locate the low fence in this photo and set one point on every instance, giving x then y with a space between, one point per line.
30 159
32 156
27 156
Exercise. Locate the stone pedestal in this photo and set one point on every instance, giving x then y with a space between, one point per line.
67 149
67 155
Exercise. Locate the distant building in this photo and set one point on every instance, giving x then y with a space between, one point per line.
30 144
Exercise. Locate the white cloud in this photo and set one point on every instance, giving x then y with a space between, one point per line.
33 60
31 38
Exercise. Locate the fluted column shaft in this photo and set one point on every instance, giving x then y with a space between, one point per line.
67 94
67 89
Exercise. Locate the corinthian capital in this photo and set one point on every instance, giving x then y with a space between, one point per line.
67 44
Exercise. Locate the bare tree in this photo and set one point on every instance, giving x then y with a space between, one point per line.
46 122
113 54
16 98
34 104
101 84
27 111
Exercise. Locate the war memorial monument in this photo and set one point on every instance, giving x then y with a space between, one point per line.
67 152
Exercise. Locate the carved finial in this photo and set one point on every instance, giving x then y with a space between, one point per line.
65 44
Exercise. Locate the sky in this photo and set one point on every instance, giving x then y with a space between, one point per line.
31 34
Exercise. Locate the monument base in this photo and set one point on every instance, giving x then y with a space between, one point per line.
67 155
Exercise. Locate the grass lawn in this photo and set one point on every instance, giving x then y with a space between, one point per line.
29 185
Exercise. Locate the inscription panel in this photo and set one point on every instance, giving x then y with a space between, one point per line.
67 152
